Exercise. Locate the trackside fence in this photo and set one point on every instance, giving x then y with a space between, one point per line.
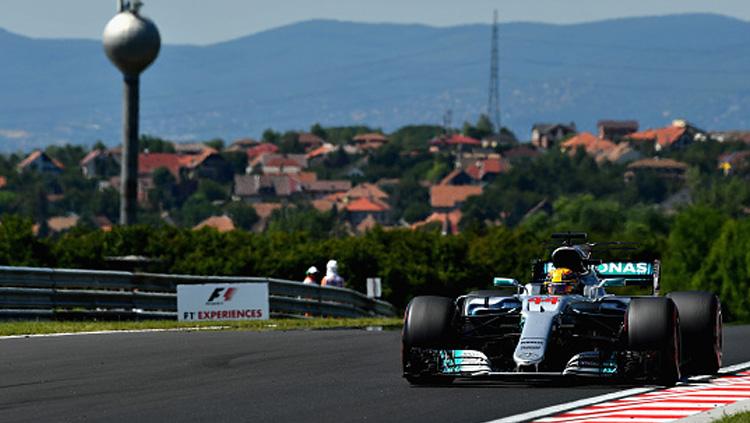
45 293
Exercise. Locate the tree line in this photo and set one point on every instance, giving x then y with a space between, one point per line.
700 248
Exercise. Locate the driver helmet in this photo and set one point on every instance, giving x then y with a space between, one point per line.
561 281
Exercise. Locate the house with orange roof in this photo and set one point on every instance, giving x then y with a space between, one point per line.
622 153
447 198
264 212
679 134
360 208
149 162
41 162
309 141
317 155
486 170
455 142
588 142
222 223
367 190
207 164
260 149
323 205
448 222
242 145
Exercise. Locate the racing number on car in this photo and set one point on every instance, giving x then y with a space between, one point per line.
539 300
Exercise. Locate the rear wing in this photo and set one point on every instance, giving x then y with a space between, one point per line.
635 273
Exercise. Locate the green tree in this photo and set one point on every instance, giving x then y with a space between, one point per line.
269 135
162 196
237 161
211 190
319 131
154 144
216 143
289 143
691 237
244 216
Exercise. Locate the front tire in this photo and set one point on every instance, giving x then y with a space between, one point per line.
427 325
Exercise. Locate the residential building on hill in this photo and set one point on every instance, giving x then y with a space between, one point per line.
590 143
41 162
263 188
677 135
546 135
243 144
448 222
615 130
310 141
359 209
99 163
447 198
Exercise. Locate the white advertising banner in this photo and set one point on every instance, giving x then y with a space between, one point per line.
235 301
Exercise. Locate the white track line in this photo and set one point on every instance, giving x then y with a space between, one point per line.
110 332
555 409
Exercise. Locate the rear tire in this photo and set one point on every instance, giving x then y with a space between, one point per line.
653 327
427 325
700 331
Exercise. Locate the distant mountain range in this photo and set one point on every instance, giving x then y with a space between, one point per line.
652 69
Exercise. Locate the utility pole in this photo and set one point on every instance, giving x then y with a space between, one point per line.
132 43
493 103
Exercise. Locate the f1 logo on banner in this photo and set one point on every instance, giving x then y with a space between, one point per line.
215 302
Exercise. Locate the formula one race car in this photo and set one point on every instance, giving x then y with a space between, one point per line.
563 323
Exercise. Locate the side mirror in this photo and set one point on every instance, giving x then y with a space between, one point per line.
505 283
614 282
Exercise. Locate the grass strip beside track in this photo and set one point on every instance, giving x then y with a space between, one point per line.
15 328
736 418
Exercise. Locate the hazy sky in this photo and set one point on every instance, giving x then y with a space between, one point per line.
208 21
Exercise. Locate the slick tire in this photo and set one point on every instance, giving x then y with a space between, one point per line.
653 325
427 325
700 331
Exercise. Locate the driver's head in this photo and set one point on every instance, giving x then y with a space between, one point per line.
561 281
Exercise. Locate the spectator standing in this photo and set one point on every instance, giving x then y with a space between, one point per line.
311 277
332 277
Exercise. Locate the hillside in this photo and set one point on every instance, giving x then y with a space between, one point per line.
652 69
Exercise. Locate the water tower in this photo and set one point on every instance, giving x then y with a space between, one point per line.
132 43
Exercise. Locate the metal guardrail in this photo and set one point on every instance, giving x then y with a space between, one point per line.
45 293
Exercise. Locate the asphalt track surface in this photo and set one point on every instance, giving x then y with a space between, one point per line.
303 376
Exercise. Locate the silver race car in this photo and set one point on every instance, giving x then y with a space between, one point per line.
564 323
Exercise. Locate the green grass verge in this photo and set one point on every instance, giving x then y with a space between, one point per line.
736 418
46 327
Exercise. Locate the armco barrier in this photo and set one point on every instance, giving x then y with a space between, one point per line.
44 293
